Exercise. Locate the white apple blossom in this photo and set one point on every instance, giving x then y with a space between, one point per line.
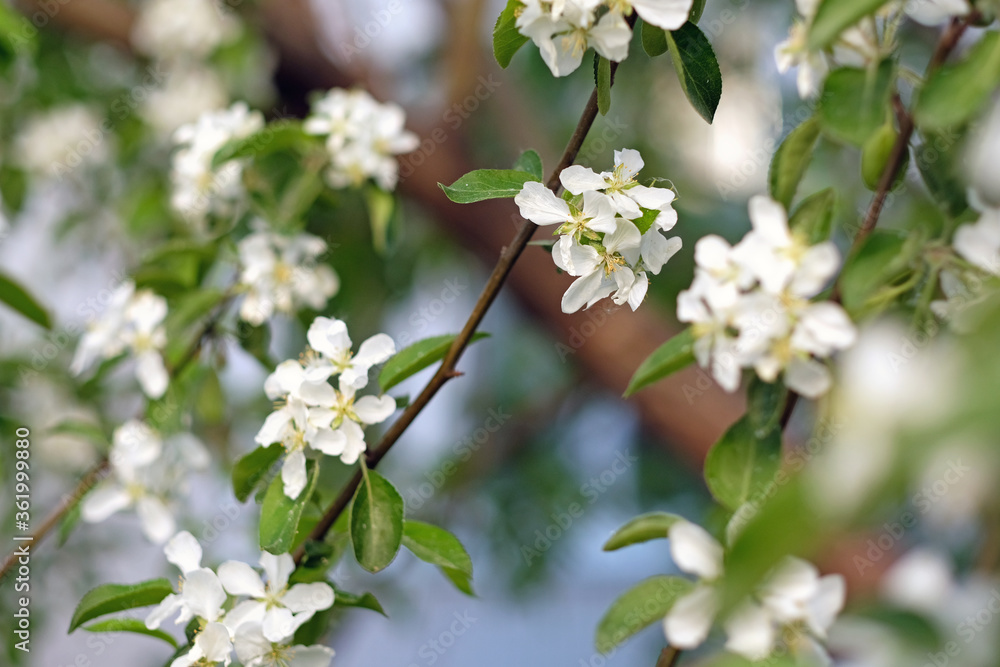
281 273
201 593
133 322
174 29
189 92
278 608
198 189
329 338
212 646
979 242
695 552
55 142
255 650
609 230
563 31
666 14
147 474
363 137
749 305
935 12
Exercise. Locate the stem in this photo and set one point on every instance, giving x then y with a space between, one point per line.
447 370
101 468
669 657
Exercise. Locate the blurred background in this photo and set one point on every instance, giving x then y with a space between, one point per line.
534 427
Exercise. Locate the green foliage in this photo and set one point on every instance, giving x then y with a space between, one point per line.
643 528
654 39
252 469
745 459
883 260
939 159
835 16
674 355
603 85
875 157
766 403
953 94
363 601
529 161
132 625
415 358
791 161
280 515
506 39
697 68
376 522
437 546
381 207
111 598
274 137
855 101
487 184
639 607
814 216
20 300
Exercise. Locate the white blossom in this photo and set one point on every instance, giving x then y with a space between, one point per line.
198 189
278 608
362 137
212 646
281 273
255 650
979 242
563 31
133 321
189 92
329 338
935 12
201 594
666 14
171 29
59 140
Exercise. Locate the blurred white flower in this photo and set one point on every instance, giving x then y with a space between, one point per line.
695 552
979 242
935 12
201 594
189 92
280 273
198 188
666 14
278 608
57 141
255 650
212 645
362 136
172 29
133 321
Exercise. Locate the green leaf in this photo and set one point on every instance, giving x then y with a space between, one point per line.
814 216
875 155
854 102
252 468
697 68
765 404
880 261
643 528
641 606
506 39
376 522
460 580
111 598
654 40
415 358
791 161
742 463
86 430
129 625
835 16
68 523
381 205
530 162
436 546
487 184
280 515
940 161
955 93
273 138
697 8
603 85
363 601
18 299
674 355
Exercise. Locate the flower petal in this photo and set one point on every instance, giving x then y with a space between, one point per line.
540 205
238 578
374 410
695 551
688 622
308 597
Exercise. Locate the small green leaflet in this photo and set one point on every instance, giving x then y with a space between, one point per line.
133 625
487 184
274 137
111 598
363 601
437 546
790 161
955 93
697 68
18 298
376 522
639 607
415 358
530 162
654 40
280 515
252 468
643 528
834 17
603 85
853 103
742 463
506 39
814 216
674 355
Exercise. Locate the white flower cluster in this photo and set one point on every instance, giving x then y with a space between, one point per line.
258 628
133 321
147 474
317 415
174 29
198 188
749 305
794 599
563 30
57 141
280 273
609 230
362 136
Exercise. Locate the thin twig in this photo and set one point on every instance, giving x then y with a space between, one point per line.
447 369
